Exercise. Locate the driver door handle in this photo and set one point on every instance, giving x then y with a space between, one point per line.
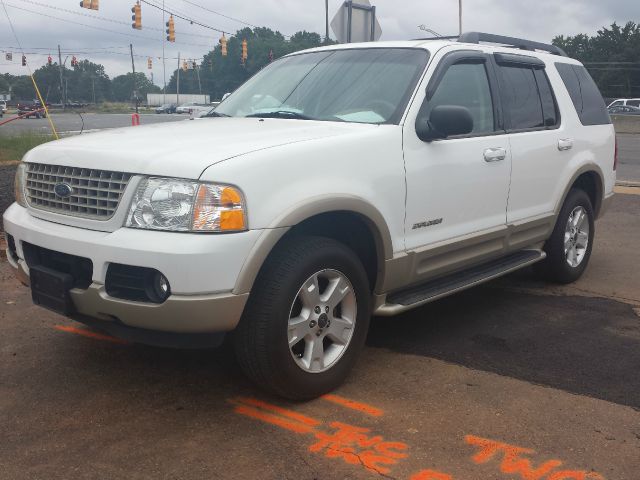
494 155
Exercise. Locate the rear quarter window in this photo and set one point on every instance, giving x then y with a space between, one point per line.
584 94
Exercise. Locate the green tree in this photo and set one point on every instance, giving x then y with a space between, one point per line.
219 75
122 87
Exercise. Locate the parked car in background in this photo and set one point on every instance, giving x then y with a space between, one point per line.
3 108
624 110
167 108
202 109
185 107
33 109
633 102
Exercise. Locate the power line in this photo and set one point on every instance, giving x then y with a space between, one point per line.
220 14
99 28
185 18
101 18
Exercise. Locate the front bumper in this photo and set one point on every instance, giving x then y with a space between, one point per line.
202 270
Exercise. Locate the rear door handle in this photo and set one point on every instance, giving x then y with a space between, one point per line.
495 155
565 144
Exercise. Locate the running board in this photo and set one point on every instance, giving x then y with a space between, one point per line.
413 297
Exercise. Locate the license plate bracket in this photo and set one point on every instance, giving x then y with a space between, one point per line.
50 289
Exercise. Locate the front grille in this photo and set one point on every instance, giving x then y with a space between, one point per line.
95 194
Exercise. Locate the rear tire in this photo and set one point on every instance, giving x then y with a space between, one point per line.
300 337
569 247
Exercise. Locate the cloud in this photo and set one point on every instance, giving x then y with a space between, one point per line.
538 20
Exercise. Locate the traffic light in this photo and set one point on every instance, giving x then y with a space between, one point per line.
137 16
244 51
171 30
24 61
74 61
270 55
194 65
49 60
149 63
223 45
90 4
185 66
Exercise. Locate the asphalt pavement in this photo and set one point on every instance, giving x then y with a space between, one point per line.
76 122
629 158
516 380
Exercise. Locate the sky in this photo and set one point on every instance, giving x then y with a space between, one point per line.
106 34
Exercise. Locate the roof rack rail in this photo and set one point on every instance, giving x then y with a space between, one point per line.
477 37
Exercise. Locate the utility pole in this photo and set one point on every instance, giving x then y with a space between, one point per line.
199 84
460 16
93 88
178 83
326 11
62 89
164 66
133 68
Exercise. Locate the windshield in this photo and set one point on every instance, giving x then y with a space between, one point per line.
359 85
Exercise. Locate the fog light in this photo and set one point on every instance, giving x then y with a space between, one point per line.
161 287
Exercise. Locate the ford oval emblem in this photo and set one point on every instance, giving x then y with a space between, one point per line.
63 190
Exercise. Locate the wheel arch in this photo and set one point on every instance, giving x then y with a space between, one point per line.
350 212
590 179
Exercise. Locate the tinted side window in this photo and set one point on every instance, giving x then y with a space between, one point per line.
522 100
549 107
585 94
617 103
467 85
634 103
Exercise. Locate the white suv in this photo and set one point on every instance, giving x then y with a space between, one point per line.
337 183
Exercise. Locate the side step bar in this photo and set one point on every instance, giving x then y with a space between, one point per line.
413 297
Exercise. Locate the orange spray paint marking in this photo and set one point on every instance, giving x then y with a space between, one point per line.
253 402
361 407
431 475
352 445
90 334
575 475
273 419
514 463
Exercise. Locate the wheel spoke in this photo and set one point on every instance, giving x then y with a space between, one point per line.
335 292
583 239
340 330
310 293
314 354
573 257
581 218
298 329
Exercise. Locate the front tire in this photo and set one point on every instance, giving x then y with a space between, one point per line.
569 247
306 320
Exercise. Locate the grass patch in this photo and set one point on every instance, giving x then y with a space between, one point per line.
13 148
111 107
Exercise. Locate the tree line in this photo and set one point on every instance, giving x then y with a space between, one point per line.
87 82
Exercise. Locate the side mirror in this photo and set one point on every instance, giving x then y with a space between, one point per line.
443 122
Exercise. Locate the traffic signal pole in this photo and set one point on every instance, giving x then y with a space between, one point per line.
62 89
178 83
133 68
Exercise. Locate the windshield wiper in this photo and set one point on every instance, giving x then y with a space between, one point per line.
280 114
215 114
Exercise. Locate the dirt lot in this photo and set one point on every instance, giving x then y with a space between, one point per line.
515 380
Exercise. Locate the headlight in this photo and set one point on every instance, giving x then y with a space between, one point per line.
186 206
18 186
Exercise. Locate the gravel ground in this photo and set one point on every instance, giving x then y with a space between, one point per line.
7 172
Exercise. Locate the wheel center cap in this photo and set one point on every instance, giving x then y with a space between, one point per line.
323 320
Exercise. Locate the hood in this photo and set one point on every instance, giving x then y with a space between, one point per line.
182 149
